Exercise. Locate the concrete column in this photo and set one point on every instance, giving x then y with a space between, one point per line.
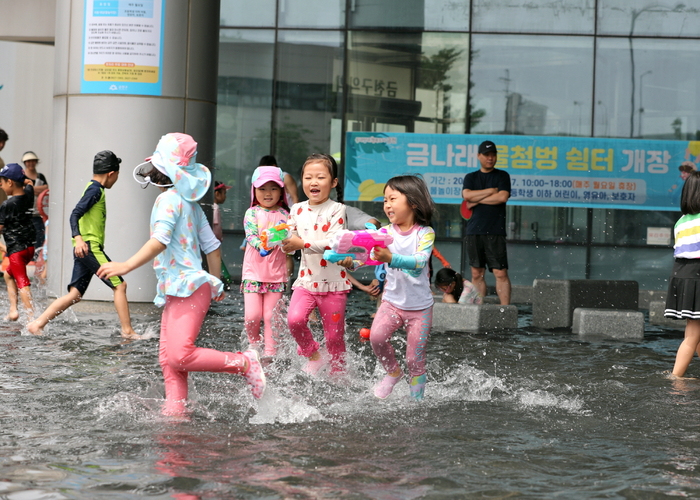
130 126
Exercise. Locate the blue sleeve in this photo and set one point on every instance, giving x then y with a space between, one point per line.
399 261
422 254
92 195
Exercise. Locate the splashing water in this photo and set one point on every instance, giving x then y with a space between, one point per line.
523 413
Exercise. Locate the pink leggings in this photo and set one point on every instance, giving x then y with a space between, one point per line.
417 325
180 324
331 305
259 306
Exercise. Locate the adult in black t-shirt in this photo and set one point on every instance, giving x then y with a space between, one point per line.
486 191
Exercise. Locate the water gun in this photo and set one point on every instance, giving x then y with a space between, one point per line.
273 237
358 245
380 274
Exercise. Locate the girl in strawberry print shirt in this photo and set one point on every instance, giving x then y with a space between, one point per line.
320 283
179 231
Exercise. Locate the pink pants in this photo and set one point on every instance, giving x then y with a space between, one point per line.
180 324
259 306
417 325
331 305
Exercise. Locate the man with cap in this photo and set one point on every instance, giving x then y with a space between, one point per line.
486 192
30 161
87 223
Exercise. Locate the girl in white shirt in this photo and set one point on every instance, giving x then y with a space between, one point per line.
320 283
407 301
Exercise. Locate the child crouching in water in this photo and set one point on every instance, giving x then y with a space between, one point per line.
455 289
17 227
407 301
179 230
320 283
263 278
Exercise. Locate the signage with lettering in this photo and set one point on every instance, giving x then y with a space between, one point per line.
550 171
122 47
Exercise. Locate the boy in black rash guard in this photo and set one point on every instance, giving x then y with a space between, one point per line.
18 229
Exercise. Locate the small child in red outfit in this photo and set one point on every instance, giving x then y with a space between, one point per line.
18 229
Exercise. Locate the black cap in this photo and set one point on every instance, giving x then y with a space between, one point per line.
105 162
487 147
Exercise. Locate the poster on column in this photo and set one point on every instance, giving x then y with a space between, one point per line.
544 171
122 47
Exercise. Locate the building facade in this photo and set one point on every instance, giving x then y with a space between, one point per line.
295 75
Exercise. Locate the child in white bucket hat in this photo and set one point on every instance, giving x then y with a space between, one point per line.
179 230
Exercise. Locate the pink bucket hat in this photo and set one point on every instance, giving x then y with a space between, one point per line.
263 175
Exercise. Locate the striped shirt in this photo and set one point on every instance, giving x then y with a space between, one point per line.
687 236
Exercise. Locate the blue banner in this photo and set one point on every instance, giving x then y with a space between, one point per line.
544 171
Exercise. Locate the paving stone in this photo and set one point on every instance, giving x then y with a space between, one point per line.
473 318
554 301
617 324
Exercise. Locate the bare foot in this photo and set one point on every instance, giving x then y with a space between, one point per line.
34 328
12 316
131 335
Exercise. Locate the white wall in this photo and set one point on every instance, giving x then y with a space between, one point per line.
28 20
26 101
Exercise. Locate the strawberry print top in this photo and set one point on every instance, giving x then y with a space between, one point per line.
183 228
316 225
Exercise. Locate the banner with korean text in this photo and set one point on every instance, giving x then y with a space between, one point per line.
122 47
544 171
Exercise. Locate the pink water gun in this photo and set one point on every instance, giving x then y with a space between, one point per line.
358 245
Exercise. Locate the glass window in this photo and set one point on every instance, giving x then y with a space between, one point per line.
244 114
555 224
531 85
312 13
650 267
446 15
260 13
408 82
631 227
527 263
309 104
438 15
451 251
564 16
657 18
648 88
449 222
